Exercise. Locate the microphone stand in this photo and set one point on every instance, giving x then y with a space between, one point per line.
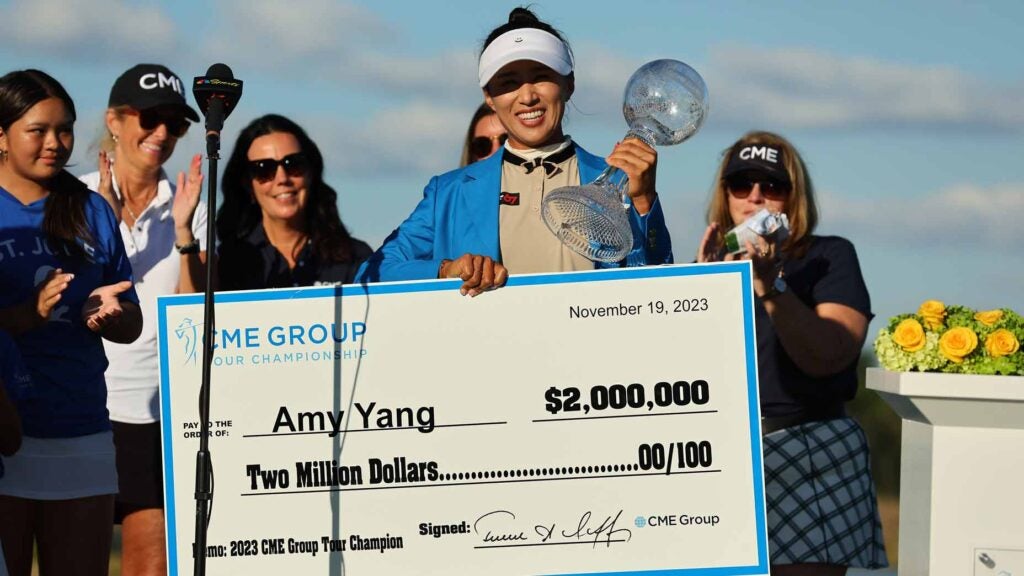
204 466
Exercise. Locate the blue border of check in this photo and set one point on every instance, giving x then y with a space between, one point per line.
749 337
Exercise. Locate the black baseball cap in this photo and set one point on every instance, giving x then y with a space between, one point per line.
760 158
150 85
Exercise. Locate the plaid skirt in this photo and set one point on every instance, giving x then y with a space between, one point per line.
821 500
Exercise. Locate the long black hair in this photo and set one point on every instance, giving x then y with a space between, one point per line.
64 222
239 214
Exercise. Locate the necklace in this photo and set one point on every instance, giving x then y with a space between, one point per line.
131 212
135 217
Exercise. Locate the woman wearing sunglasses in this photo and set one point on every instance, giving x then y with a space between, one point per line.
484 136
483 221
812 314
163 227
279 224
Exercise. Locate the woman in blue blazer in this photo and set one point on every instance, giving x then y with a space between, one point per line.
483 221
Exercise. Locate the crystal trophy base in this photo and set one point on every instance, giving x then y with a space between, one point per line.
589 220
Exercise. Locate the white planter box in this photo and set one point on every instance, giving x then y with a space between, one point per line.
962 471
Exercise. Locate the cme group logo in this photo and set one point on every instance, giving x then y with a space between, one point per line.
673 520
188 334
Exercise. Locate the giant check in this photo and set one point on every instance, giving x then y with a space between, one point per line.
600 422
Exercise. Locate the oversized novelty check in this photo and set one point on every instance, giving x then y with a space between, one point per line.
600 422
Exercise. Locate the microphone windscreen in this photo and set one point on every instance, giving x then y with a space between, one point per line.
219 70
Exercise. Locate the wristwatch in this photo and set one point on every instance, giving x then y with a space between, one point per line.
190 248
779 286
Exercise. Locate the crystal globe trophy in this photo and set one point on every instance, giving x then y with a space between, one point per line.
665 103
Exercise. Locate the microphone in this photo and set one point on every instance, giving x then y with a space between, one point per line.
216 94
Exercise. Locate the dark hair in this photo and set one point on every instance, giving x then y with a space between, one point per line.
467 144
239 214
64 216
522 17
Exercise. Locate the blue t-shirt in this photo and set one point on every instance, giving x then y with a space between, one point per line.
13 374
65 359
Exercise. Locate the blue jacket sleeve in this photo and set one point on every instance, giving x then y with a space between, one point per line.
408 252
651 242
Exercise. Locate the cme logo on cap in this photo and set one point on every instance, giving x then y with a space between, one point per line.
158 80
763 152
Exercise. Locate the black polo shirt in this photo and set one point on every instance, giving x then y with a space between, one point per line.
828 272
252 263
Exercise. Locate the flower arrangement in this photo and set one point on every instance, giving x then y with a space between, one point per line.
957 339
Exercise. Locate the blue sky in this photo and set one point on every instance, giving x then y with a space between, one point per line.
910 115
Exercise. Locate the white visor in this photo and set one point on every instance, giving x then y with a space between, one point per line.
524 44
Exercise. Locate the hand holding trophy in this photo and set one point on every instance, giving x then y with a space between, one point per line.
665 103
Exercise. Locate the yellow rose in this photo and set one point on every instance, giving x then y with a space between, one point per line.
909 335
1002 342
989 317
956 343
933 312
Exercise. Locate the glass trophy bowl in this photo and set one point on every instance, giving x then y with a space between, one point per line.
665 103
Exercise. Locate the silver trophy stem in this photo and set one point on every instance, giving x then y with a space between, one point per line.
616 183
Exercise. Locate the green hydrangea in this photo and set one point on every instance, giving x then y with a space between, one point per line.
893 357
957 316
1004 365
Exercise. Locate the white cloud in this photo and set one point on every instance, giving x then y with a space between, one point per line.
804 88
417 138
87 30
449 75
341 43
601 76
959 216
304 37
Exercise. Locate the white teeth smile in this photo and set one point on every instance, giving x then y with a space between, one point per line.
531 115
284 196
150 147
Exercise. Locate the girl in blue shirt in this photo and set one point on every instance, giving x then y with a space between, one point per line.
65 283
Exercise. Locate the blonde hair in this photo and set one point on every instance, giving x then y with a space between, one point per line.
801 208
105 141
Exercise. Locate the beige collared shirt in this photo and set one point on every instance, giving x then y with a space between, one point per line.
527 245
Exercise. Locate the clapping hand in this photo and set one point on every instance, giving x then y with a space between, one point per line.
106 185
186 198
710 250
49 292
103 308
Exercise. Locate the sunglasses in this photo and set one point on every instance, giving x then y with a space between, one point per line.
151 118
740 188
264 169
483 146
